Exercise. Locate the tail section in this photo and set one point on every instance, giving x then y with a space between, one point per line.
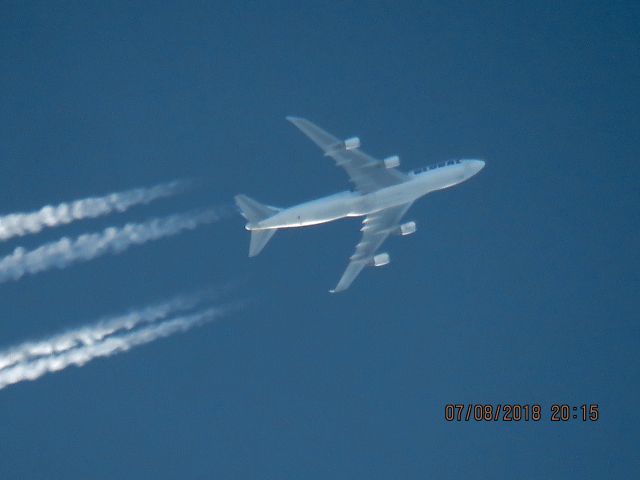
255 212
259 239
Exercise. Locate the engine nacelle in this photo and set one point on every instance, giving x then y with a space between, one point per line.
352 143
407 228
391 162
380 260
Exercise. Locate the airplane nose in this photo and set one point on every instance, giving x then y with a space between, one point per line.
474 166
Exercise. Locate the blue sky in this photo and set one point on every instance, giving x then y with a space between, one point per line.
520 285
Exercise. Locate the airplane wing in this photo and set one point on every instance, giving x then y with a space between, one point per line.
366 172
376 228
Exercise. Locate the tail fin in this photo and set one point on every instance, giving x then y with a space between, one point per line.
254 212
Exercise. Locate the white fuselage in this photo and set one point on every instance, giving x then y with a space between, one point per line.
355 204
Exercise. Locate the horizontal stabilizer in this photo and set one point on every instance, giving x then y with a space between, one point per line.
259 239
254 211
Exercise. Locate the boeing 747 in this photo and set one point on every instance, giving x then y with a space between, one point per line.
382 195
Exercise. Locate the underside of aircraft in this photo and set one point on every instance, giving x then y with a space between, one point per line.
382 194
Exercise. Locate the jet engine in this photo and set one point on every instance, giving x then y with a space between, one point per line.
391 162
407 228
380 260
352 143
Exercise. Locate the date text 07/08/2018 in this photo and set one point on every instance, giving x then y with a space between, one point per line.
515 412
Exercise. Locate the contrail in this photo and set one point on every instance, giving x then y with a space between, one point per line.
19 224
66 251
92 334
107 346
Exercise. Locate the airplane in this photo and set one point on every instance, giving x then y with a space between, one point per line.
382 194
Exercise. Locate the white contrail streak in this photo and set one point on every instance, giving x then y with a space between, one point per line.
92 334
107 346
66 251
19 224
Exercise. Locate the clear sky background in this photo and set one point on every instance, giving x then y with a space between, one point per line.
520 285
